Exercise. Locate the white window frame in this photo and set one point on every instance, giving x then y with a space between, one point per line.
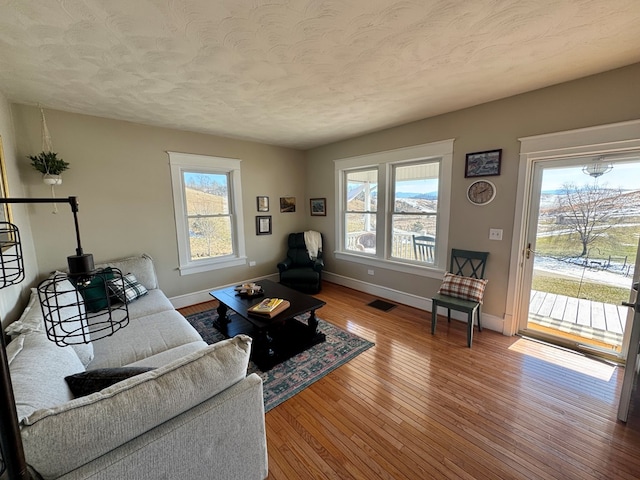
188 162
383 162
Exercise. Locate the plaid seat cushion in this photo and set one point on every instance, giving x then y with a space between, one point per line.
129 289
466 288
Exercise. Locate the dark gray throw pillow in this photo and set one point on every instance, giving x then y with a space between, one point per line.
92 381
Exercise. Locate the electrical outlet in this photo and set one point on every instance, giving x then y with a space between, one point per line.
495 234
252 263
370 272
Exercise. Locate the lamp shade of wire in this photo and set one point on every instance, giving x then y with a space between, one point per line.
71 313
11 261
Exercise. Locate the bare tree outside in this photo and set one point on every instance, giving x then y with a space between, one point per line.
589 210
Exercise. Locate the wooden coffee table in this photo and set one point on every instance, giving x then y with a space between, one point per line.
274 339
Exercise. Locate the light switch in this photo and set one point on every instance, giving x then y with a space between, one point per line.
495 234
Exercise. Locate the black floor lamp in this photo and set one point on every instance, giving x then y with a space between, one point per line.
93 325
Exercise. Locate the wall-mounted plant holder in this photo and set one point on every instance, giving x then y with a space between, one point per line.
52 180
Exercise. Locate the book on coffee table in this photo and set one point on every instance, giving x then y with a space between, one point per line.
269 307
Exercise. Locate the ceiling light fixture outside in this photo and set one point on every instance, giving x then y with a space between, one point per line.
597 168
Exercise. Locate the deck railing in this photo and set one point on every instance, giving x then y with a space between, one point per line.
402 244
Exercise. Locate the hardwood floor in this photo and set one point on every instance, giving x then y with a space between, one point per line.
417 406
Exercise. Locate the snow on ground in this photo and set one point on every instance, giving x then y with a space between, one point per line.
564 268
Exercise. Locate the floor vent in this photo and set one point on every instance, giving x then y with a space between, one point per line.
382 305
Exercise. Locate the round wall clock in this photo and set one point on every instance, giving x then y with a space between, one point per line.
481 192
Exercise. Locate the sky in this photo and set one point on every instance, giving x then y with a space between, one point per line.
623 175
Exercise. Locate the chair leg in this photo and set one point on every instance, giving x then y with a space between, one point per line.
449 315
469 329
434 317
479 315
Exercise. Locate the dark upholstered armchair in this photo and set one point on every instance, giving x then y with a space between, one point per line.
298 270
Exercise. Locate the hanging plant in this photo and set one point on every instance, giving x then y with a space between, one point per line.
48 163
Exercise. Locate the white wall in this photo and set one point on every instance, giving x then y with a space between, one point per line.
14 298
120 173
600 99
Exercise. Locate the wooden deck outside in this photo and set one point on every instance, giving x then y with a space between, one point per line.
600 321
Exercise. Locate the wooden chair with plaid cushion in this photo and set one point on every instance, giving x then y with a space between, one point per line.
462 289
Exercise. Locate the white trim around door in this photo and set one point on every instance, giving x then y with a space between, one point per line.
616 138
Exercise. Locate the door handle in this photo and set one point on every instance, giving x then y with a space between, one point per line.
529 251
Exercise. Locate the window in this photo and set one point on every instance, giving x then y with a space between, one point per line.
414 218
208 212
393 208
360 216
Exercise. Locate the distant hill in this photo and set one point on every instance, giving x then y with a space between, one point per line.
424 196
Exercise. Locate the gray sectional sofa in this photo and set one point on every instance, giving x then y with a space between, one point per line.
195 415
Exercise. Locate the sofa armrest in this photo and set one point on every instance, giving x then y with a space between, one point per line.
93 425
285 264
223 438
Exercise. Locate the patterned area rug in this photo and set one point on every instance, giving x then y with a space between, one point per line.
292 376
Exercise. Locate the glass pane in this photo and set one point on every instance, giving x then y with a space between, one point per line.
416 188
360 232
405 228
362 191
210 237
206 193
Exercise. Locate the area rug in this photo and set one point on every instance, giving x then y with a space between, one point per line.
290 377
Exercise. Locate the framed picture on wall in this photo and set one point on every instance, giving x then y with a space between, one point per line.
263 225
263 204
483 164
318 206
287 204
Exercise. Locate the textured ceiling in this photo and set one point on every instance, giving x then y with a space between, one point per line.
300 73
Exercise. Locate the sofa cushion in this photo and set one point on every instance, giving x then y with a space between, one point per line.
140 265
93 425
127 290
143 337
466 288
32 320
86 383
154 301
168 356
38 370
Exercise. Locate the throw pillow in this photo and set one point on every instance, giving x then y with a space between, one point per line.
467 288
128 289
95 294
86 383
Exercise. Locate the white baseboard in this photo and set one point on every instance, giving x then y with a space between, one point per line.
488 321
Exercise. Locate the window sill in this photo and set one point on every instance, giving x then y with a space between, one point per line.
423 271
208 265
